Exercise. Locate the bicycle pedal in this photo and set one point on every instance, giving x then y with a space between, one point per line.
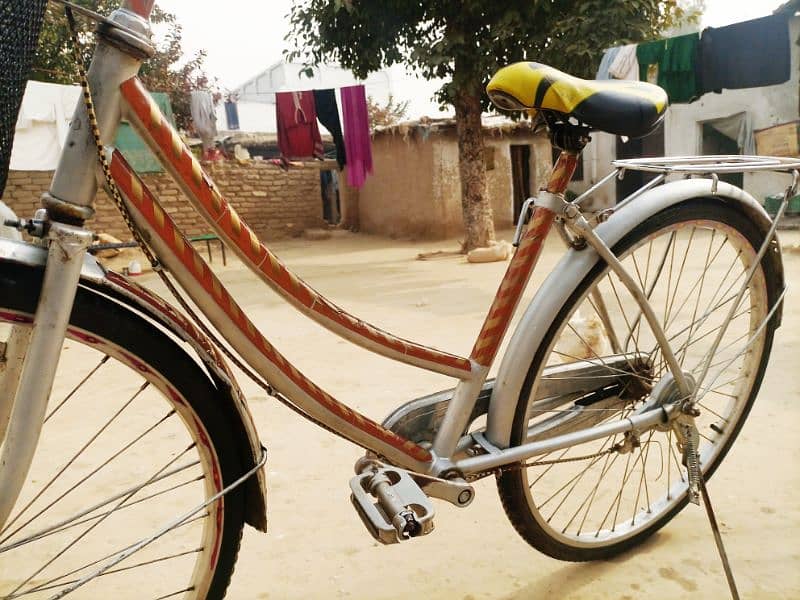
391 504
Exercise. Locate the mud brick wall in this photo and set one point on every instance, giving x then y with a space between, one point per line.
276 203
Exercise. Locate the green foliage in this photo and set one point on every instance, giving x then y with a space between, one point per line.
166 72
466 41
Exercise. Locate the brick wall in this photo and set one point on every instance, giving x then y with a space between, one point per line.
275 203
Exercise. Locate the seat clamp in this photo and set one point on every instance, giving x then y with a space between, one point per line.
545 199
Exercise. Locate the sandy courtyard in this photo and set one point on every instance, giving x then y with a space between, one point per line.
317 546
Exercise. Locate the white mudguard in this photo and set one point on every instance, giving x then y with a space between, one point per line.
567 275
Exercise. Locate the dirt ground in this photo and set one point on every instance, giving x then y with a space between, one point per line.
317 546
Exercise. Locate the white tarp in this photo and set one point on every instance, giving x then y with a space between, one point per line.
42 125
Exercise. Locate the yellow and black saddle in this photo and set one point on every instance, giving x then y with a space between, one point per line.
629 108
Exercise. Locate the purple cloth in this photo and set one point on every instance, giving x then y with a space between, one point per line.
356 135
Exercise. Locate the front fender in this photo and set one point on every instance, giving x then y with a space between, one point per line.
144 302
570 271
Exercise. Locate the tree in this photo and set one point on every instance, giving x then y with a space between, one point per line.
390 113
54 60
465 42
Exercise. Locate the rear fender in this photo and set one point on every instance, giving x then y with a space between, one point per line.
575 265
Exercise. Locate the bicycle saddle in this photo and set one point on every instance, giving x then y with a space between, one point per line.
622 107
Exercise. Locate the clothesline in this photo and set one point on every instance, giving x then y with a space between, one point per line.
297 115
755 53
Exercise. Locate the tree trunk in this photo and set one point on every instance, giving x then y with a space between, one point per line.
472 167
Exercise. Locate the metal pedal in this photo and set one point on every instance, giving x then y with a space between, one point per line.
402 509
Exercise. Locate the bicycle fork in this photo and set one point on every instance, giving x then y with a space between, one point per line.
26 390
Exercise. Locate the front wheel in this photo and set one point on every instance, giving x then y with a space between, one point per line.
134 438
595 500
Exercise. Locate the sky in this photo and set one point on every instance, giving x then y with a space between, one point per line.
243 37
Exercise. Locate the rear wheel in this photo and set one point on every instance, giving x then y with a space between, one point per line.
594 500
133 439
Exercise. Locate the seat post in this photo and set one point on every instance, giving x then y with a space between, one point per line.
571 140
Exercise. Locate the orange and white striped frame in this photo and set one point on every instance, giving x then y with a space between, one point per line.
195 276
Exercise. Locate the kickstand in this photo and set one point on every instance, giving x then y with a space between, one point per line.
718 539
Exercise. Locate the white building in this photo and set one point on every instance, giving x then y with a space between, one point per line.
691 129
256 97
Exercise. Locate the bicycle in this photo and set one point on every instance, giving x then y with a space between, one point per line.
626 350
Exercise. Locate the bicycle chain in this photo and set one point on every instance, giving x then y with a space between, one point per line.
539 463
116 197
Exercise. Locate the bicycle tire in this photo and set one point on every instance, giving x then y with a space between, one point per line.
517 494
142 346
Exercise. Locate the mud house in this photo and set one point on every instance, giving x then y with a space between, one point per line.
415 190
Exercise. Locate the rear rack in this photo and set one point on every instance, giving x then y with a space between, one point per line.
690 166
708 165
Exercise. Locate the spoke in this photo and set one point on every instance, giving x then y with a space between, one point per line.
63 469
103 361
592 492
688 344
578 480
624 316
618 499
51 583
669 465
602 364
78 519
543 473
700 289
678 280
563 487
649 292
697 283
625 477
716 414
642 479
102 519
178 593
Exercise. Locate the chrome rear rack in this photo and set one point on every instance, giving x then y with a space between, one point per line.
691 166
707 165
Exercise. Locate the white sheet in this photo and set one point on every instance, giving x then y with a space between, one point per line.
42 125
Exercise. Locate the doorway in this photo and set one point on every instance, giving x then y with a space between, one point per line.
329 187
716 142
520 177
646 147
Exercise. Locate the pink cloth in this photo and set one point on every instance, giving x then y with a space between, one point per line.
356 135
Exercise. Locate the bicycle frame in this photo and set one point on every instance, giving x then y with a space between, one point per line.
120 94
209 293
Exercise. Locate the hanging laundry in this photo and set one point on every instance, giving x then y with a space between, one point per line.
232 115
625 65
356 135
676 70
204 118
750 54
298 133
328 115
42 125
606 62
649 54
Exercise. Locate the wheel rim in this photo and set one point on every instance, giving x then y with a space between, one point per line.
122 454
691 270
